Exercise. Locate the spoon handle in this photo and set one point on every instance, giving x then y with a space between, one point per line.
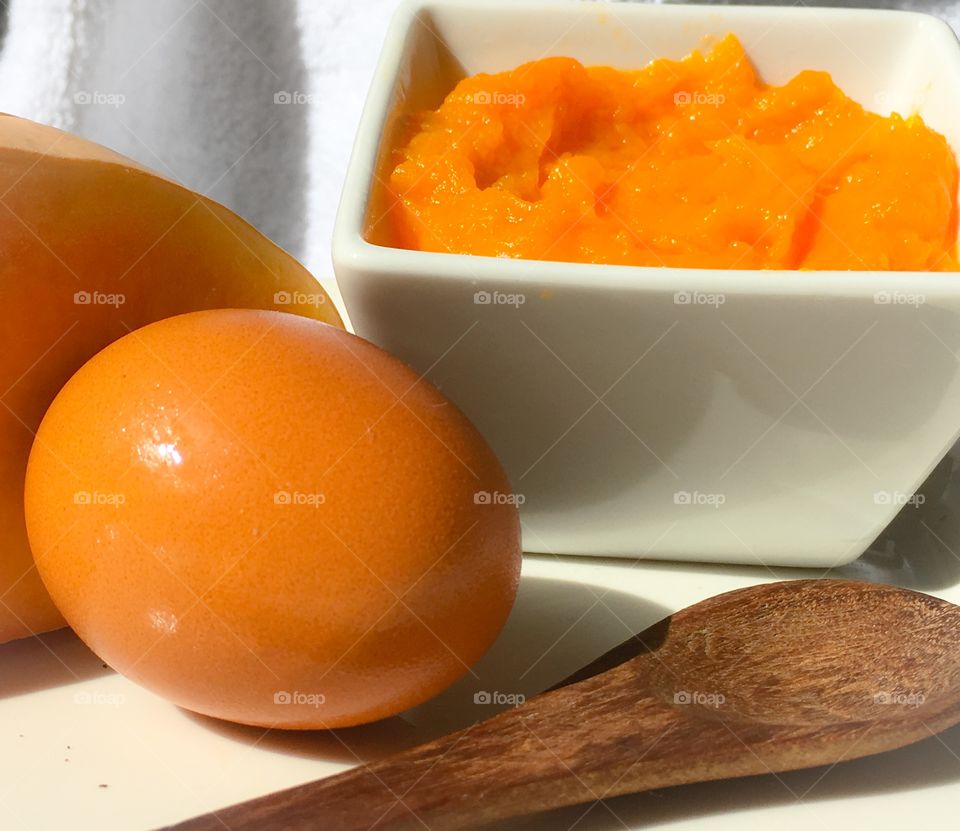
799 665
568 746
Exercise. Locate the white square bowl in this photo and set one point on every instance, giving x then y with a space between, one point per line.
777 417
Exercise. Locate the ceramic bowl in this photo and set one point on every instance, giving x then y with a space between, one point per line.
690 414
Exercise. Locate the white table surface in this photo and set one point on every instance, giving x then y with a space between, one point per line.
81 748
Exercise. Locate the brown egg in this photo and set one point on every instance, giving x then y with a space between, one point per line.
269 520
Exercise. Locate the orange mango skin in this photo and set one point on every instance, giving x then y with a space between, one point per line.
692 163
76 217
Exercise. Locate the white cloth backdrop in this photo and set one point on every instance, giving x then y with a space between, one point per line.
191 87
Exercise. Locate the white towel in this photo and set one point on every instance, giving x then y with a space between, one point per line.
254 102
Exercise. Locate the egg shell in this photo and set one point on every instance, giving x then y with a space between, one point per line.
269 520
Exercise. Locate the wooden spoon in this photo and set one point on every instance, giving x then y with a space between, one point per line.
765 679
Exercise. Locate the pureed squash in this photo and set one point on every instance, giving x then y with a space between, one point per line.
691 163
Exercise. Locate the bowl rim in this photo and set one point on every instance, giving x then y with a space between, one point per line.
352 252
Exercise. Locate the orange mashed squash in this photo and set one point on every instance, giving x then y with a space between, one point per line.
690 163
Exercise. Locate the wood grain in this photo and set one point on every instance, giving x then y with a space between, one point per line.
764 679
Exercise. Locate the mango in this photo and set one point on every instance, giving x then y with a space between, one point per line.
93 246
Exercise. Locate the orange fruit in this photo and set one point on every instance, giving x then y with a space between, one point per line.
95 245
269 520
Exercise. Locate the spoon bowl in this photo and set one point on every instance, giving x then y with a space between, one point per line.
810 653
